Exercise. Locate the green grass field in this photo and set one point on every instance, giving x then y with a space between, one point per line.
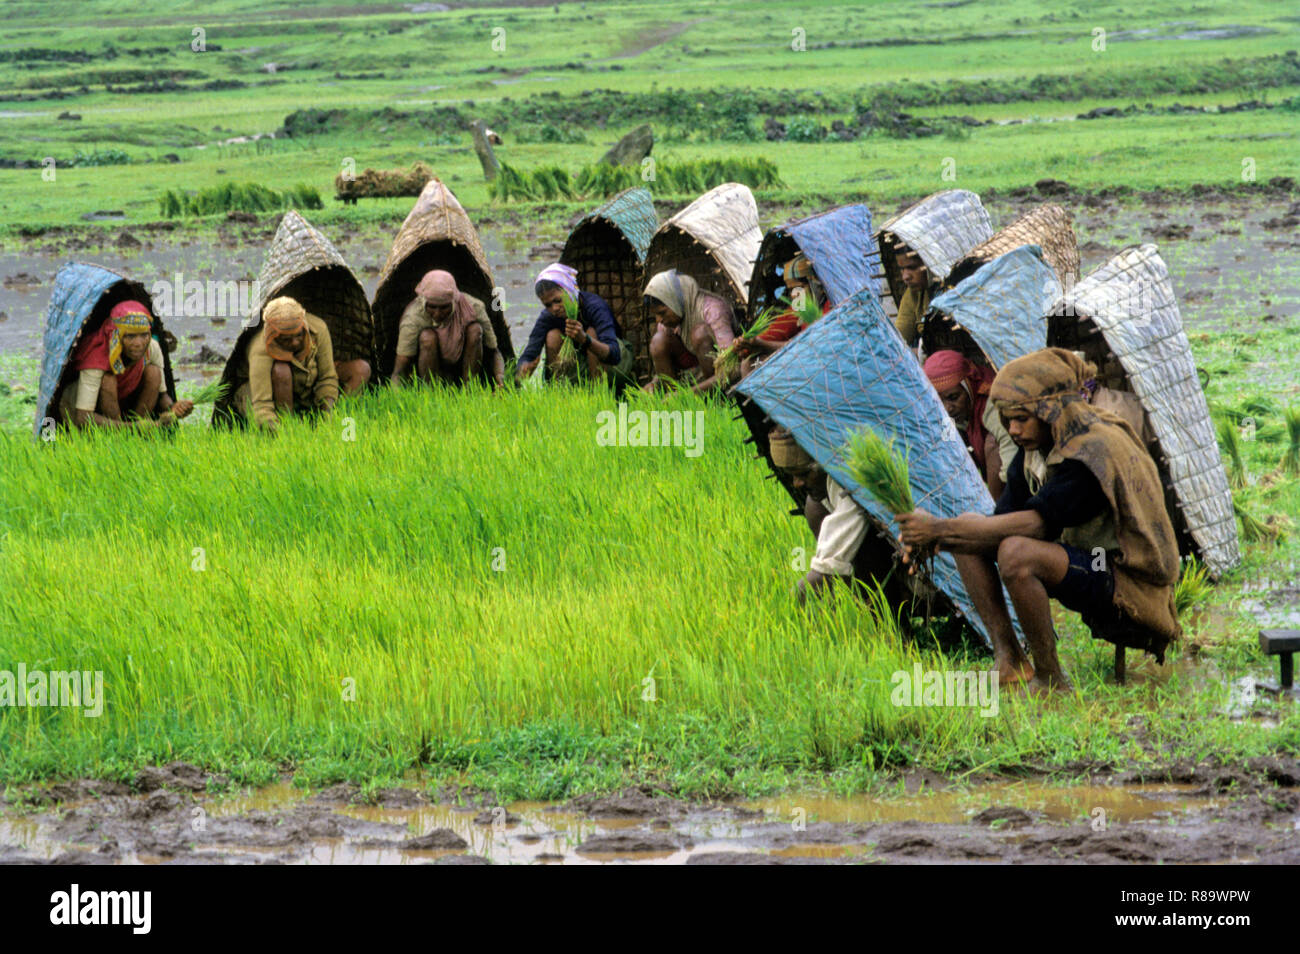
396 73
331 606
474 587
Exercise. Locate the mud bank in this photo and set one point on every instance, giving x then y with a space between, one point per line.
1181 813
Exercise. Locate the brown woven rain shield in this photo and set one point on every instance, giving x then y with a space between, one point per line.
714 240
437 234
1048 226
1124 318
608 248
304 265
942 228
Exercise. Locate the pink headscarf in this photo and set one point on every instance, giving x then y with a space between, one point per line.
439 288
562 275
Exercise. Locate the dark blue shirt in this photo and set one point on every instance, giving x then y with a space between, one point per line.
593 312
1070 497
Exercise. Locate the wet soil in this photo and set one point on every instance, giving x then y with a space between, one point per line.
1219 245
1177 813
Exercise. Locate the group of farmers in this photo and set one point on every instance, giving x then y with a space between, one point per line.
1079 516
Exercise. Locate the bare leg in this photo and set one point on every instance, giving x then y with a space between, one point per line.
702 345
429 358
282 386
107 403
472 358
594 366
554 339
980 577
1026 565
147 395
353 375
665 351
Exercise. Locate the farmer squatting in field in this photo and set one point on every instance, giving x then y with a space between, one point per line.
599 348
119 376
445 333
916 299
288 367
1082 521
692 325
800 280
963 387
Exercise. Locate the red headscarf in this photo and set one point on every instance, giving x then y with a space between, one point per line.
102 351
439 288
946 370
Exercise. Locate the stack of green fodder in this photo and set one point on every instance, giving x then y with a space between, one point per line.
237 197
384 183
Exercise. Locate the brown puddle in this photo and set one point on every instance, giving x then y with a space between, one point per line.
541 833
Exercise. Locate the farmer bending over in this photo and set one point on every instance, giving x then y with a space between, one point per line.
916 298
290 366
119 380
800 282
963 387
835 518
446 333
1082 521
594 333
692 324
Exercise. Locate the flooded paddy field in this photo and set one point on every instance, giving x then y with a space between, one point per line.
1234 260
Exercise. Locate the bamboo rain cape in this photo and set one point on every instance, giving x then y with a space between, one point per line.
851 370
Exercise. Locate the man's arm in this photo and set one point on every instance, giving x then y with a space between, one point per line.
401 365
976 533
605 344
533 350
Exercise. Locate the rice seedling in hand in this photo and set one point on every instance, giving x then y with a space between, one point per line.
726 361
880 469
210 393
1291 459
805 307
568 351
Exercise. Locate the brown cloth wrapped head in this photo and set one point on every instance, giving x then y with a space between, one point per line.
1049 385
283 318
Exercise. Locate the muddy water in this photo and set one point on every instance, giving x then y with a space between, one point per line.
1229 259
27 279
233 829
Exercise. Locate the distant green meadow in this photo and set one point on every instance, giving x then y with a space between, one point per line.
143 93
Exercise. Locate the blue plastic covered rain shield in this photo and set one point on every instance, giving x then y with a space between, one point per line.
77 290
842 246
1004 303
852 370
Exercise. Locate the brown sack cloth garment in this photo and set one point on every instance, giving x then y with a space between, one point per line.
1047 384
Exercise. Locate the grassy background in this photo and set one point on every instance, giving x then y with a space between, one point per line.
1001 60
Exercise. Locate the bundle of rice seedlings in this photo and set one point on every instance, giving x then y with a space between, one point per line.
1193 586
880 469
568 351
1291 459
509 185
1230 442
726 361
1253 530
210 393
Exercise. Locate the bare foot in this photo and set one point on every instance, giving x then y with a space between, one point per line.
1013 672
1048 685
